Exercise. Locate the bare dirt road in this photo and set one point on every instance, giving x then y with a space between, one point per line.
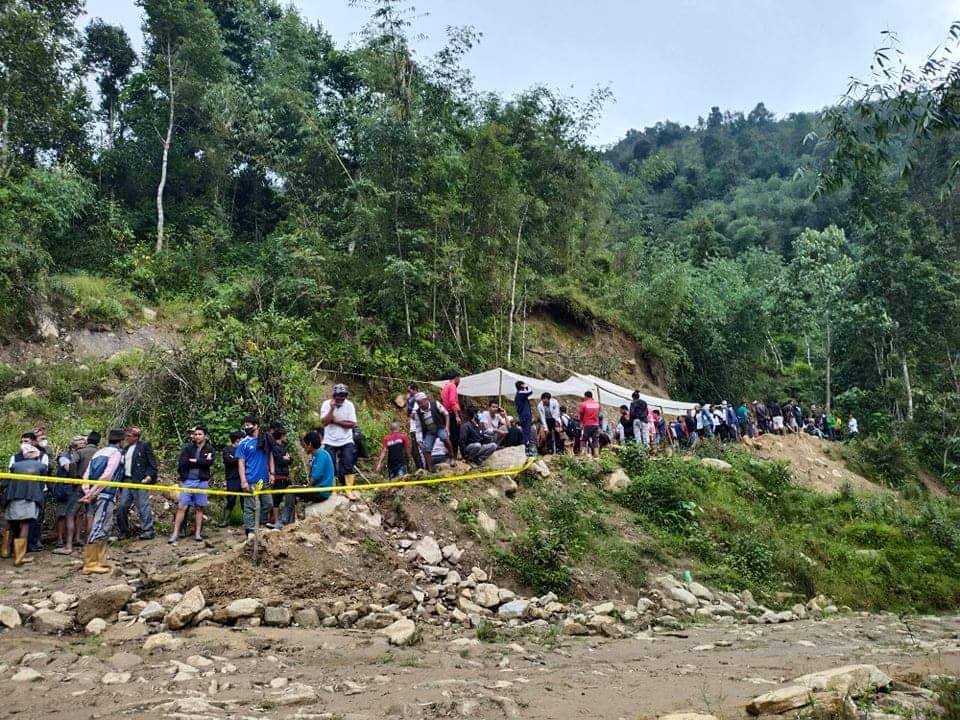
262 672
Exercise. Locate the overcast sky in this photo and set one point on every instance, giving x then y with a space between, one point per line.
670 59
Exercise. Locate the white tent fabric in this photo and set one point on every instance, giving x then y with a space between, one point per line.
498 381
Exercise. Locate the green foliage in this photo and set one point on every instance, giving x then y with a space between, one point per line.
887 460
665 493
633 457
95 300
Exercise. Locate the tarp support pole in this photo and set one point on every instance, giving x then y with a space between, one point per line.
500 389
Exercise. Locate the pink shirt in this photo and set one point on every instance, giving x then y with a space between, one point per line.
450 398
590 412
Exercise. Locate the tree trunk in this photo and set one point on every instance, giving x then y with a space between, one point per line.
907 386
5 163
513 288
829 356
166 149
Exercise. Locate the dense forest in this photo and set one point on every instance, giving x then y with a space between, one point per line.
366 208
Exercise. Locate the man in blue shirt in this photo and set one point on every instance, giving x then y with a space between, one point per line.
253 464
321 476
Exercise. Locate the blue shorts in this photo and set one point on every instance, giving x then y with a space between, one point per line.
192 499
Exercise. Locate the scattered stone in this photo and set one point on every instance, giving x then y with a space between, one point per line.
9 617
684 596
244 607
296 694
20 394
103 603
276 616
572 627
162 641
716 464
514 609
95 626
328 506
116 678
780 701
152 612
427 550
149 314
451 553
617 480
50 622
603 608
486 523
687 716
401 632
306 618
507 458
200 662
487 595
278 683
852 680
124 661
185 608
62 598
700 592
541 469
27 675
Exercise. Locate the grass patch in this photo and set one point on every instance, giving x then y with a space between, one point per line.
96 300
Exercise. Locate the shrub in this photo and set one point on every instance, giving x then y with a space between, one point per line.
633 458
665 493
884 459
99 300
539 558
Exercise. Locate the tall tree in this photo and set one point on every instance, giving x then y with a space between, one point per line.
107 52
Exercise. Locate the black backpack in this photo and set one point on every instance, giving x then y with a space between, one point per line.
574 428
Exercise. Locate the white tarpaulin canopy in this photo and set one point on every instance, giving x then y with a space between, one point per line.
495 382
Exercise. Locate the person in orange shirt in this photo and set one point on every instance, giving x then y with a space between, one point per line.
450 399
589 412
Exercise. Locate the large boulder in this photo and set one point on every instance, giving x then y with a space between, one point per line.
103 603
781 700
487 595
617 480
514 609
682 595
716 464
507 458
244 607
186 609
852 680
9 617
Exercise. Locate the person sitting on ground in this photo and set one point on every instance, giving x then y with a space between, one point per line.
588 413
231 474
106 464
473 445
432 423
279 468
395 451
440 453
193 467
550 429
624 426
67 496
606 432
514 436
22 500
493 421
321 477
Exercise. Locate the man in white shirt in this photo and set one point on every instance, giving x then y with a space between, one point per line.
494 423
339 418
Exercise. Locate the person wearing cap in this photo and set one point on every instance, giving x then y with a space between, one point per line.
253 465
524 414
22 500
339 419
34 437
67 496
193 467
106 464
432 425
140 467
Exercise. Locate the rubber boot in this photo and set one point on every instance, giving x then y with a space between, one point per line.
6 543
102 556
91 564
20 552
348 481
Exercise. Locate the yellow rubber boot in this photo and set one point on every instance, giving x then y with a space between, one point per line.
6 542
102 556
90 560
348 481
20 552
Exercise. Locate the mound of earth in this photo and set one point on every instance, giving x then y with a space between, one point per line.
815 463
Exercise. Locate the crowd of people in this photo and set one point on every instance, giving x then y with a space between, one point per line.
439 431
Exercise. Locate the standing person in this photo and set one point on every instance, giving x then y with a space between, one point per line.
339 418
524 414
678 431
733 422
660 426
474 447
625 426
34 542
432 423
67 496
638 413
279 468
776 417
22 500
253 466
853 428
762 415
106 464
743 420
140 467
33 438
394 451
572 427
692 422
549 410
411 405
85 512
193 467
450 398
589 415
231 473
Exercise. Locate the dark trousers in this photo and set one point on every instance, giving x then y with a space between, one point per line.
344 458
454 435
527 430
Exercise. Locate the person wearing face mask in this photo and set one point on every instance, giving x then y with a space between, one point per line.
38 439
253 464
139 466
193 466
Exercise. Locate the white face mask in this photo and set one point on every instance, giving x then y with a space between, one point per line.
42 443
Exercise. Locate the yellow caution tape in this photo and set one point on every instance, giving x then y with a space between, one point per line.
258 488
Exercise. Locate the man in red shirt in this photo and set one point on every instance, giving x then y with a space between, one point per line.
394 451
450 399
589 412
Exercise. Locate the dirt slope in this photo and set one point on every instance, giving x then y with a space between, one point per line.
815 463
